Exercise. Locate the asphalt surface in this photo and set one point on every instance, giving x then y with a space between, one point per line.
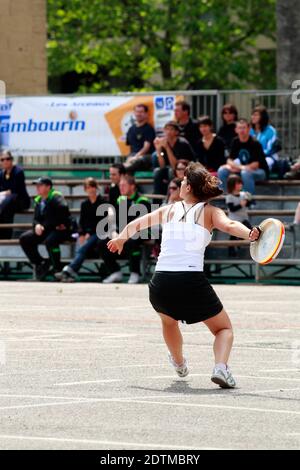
84 366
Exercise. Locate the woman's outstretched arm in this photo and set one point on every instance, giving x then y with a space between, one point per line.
237 229
141 223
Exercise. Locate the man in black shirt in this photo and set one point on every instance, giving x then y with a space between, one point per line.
188 128
169 149
51 225
246 158
13 192
88 239
140 137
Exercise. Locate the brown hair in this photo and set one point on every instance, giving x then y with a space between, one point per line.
90 182
204 185
232 109
176 181
130 179
7 153
205 121
264 116
243 121
142 105
232 181
185 106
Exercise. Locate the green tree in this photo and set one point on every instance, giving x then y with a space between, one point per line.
131 45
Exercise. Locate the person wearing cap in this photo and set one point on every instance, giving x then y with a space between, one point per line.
13 193
51 225
169 148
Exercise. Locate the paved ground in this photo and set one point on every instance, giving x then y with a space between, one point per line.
86 368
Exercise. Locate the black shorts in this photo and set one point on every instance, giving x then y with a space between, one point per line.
184 295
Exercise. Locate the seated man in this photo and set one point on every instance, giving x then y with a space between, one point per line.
170 148
13 193
140 137
88 240
246 159
51 225
189 128
129 198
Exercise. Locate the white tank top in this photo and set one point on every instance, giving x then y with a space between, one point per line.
183 240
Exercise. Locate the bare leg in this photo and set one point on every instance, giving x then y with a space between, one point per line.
221 328
172 337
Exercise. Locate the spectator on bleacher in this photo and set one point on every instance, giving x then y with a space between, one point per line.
13 193
128 198
180 167
265 134
88 239
188 127
116 170
237 202
140 137
294 172
210 148
227 130
51 225
246 159
174 191
170 148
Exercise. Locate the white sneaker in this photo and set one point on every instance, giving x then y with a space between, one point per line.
223 378
114 277
181 370
134 278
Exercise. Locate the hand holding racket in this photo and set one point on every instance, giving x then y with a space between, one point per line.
266 240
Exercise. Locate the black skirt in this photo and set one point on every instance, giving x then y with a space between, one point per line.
184 295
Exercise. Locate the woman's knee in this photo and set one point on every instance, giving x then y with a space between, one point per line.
220 322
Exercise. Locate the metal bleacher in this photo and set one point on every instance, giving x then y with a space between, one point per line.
275 198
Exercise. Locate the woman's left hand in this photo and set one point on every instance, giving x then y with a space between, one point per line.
254 234
116 245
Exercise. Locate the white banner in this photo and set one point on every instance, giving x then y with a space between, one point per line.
86 125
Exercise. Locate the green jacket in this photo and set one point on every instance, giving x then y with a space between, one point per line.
52 212
136 198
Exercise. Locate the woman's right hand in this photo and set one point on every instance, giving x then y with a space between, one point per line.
116 245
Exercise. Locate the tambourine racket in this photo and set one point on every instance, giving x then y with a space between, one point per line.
270 242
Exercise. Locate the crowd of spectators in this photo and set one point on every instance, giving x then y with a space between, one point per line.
240 153
246 147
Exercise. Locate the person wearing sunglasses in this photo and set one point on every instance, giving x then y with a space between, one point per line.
13 193
227 131
174 191
180 168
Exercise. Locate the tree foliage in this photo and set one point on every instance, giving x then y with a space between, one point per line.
111 45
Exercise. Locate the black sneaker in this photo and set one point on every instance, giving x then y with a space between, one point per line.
41 270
